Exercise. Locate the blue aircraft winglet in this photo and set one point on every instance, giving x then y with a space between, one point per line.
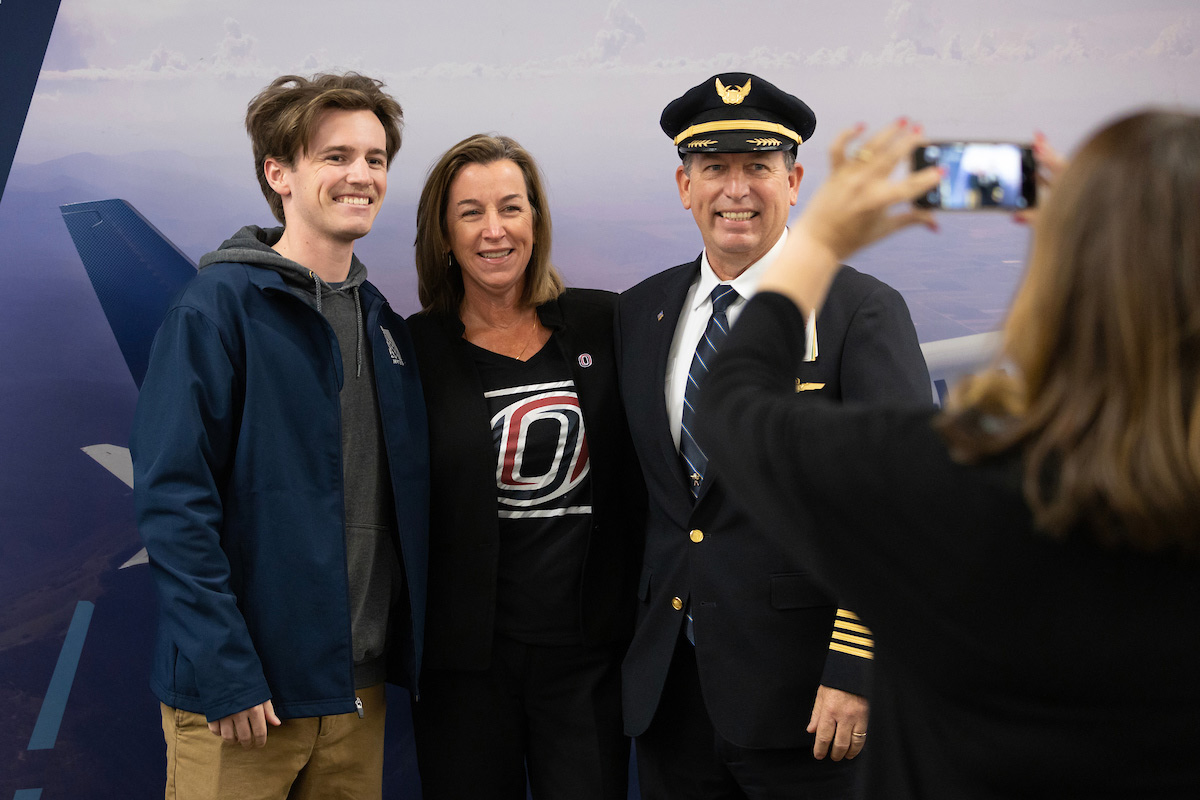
135 270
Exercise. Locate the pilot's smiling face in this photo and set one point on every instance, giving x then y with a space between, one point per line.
740 202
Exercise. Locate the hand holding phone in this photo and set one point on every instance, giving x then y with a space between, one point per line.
979 176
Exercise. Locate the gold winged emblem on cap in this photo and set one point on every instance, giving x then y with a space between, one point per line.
732 95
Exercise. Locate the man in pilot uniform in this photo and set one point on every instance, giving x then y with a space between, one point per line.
744 677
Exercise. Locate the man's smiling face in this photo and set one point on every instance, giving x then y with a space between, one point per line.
335 186
740 202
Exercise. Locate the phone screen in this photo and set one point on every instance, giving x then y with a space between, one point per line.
979 176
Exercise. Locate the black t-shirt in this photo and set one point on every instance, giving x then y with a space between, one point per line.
543 490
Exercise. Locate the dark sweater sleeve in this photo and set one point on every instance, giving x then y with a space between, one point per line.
835 474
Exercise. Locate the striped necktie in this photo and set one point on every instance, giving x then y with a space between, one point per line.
714 335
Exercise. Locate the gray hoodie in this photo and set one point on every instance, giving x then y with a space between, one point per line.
372 566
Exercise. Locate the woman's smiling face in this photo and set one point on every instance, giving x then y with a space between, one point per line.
490 222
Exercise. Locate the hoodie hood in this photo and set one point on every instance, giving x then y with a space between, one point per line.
252 245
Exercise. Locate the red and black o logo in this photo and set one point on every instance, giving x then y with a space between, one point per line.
543 475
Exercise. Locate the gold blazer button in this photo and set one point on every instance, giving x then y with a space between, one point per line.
697 535
676 604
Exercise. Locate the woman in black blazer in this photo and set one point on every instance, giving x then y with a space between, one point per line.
536 497
1029 559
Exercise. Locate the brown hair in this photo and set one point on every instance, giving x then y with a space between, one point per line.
439 279
280 120
1104 336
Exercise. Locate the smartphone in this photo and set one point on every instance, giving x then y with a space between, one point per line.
979 176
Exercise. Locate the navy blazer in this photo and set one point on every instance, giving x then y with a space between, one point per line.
762 622
464 532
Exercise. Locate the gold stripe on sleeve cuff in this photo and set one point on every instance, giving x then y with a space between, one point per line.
851 626
863 641
854 651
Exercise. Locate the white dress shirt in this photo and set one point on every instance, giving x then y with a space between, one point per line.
693 319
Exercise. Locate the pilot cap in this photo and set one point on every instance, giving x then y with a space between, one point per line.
736 112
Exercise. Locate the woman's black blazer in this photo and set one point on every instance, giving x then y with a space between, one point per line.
464 533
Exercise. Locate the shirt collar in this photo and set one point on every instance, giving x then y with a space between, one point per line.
746 284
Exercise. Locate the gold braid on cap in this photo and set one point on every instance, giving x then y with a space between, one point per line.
739 125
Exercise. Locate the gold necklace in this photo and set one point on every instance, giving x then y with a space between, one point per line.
529 337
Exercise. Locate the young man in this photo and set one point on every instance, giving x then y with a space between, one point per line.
281 473
744 678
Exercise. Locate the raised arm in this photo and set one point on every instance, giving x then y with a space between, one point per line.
851 210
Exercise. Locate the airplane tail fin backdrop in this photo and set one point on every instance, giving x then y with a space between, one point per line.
133 267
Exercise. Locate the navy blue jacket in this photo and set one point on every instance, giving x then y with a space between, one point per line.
237 459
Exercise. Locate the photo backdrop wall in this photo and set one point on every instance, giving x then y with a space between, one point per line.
143 100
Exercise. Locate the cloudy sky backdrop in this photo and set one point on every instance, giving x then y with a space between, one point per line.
161 85
144 99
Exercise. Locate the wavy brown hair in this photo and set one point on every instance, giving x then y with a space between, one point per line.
1104 341
439 278
281 118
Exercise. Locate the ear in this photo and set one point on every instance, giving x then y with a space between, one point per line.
277 176
685 184
794 183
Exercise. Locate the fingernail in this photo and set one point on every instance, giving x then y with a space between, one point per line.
918 128
902 121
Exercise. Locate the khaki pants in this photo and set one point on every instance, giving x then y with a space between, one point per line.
330 758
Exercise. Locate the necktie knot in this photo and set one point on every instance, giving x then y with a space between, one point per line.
722 297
